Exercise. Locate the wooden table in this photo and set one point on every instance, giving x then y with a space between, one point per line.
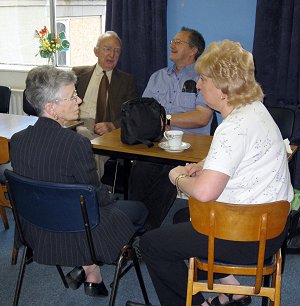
11 124
110 144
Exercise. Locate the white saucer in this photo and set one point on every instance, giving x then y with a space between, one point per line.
164 145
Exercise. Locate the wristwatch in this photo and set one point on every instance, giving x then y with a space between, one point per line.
169 117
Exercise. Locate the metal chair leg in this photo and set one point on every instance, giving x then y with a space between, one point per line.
266 283
139 276
62 276
20 277
116 279
127 253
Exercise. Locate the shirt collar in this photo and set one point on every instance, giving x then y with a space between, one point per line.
99 71
189 68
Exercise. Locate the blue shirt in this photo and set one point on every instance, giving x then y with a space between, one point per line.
165 85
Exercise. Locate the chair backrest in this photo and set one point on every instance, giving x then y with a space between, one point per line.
53 206
4 151
236 222
27 107
5 94
284 118
214 124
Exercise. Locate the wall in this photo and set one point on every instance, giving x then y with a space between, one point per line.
215 19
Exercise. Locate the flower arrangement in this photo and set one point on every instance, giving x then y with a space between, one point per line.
51 43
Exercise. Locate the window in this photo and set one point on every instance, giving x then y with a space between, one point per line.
82 21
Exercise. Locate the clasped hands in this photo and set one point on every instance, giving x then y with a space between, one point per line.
193 169
102 128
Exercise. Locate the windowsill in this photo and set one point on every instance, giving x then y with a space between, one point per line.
15 68
22 68
14 76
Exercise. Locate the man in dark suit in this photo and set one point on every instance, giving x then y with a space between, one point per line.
100 114
120 89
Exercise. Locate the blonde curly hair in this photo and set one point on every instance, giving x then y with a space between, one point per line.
232 70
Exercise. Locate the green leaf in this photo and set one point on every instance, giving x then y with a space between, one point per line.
62 35
65 44
50 36
45 54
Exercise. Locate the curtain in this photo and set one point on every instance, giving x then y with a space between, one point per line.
276 51
142 26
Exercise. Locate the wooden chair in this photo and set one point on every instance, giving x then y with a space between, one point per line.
238 223
4 201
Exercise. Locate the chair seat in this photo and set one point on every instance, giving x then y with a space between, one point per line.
267 262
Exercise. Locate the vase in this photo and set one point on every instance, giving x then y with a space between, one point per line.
52 60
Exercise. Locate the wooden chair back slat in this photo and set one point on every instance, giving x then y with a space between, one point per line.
230 219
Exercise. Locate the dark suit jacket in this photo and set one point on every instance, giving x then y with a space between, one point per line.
48 152
121 89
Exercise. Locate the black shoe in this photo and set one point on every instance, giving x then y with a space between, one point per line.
75 278
129 303
93 289
244 301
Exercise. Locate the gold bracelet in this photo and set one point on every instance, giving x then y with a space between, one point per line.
177 182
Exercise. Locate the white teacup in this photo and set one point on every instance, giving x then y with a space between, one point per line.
174 138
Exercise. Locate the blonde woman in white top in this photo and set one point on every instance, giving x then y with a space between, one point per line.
246 163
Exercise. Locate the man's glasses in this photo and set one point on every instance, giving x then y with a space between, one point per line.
107 49
74 97
177 42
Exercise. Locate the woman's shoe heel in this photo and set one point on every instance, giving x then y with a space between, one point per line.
93 289
75 278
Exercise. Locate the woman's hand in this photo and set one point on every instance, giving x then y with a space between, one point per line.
194 169
175 172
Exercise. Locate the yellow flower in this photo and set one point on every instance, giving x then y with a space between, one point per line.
51 43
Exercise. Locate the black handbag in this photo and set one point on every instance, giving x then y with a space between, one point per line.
143 120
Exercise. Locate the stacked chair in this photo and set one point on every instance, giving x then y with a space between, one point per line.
27 108
285 119
4 200
5 94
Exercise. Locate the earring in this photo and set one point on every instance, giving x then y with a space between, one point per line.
55 116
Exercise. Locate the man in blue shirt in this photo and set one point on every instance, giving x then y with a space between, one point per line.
174 88
184 105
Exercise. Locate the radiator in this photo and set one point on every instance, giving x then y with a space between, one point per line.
16 102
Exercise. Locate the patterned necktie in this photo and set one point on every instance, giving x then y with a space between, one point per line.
102 106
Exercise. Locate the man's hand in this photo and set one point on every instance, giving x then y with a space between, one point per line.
102 128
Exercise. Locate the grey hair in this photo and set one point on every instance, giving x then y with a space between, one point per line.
43 84
107 34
